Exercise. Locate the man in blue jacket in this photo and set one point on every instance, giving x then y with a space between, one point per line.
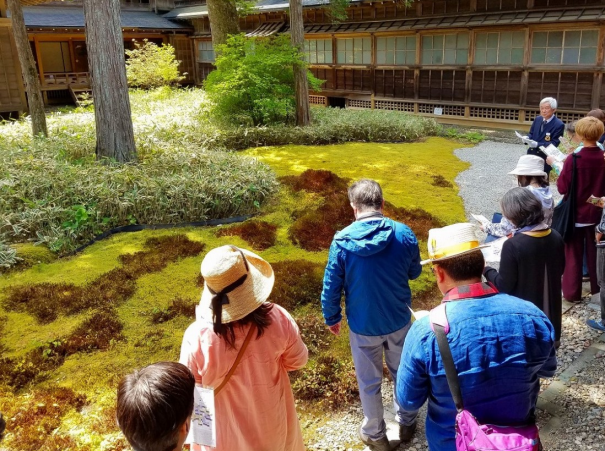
501 346
545 130
373 260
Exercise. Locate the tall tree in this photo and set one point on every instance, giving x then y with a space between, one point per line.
105 44
29 70
297 36
224 20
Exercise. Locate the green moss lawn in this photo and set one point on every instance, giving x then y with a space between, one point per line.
58 384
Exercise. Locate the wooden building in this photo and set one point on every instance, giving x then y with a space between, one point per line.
464 61
12 94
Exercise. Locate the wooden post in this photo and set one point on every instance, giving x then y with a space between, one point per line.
105 44
28 68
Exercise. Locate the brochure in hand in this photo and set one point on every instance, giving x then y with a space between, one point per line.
481 219
552 151
597 201
493 253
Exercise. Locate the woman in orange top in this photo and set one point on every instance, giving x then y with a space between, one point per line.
255 409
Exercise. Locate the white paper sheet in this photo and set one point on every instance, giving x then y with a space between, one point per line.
552 151
493 253
481 219
203 425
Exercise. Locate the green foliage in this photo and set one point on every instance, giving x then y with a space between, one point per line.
150 66
468 136
253 83
8 256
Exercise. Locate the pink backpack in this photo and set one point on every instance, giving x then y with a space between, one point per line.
470 434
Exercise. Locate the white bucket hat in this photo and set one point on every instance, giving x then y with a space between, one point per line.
236 282
530 165
451 241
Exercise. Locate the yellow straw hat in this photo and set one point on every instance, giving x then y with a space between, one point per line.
452 240
236 282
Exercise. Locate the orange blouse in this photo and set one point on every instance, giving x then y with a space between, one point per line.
255 411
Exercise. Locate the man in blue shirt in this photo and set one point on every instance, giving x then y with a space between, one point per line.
373 260
501 346
545 130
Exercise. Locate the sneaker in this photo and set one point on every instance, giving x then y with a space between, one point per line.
407 432
382 444
598 325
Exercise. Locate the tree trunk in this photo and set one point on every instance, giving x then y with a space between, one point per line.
224 20
105 44
297 34
28 68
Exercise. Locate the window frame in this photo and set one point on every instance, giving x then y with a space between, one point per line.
499 48
200 52
405 50
459 51
307 51
348 45
561 50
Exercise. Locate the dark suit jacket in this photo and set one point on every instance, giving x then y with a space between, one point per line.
555 130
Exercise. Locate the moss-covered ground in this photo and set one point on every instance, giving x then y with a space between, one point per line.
71 328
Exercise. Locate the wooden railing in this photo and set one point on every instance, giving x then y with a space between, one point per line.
65 79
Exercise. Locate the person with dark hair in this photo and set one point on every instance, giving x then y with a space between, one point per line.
530 175
590 180
372 260
600 115
155 405
501 346
243 346
533 260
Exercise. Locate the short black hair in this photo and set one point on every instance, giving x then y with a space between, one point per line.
521 207
153 403
465 266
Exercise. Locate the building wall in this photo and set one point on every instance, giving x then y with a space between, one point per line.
12 96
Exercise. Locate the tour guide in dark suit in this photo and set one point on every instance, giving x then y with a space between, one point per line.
546 129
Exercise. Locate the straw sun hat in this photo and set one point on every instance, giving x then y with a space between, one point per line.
237 280
529 165
451 241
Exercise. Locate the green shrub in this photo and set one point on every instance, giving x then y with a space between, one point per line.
8 256
150 66
253 82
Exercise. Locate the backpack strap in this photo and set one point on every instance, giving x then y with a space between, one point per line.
441 327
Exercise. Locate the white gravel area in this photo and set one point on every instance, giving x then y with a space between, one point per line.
574 418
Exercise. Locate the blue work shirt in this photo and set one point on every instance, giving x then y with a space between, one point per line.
501 346
373 262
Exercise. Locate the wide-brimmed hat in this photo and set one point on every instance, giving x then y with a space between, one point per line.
236 282
530 165
451 241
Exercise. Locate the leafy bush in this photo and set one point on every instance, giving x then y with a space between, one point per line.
253 82
150 66
8 256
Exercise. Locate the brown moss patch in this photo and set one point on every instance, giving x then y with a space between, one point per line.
314 333
441 182
46 301
33 423
417 219
178 306
315 181
330 383
259 234
199 281
98 332
297 282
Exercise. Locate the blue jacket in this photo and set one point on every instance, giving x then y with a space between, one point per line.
501 346
555 130
373 261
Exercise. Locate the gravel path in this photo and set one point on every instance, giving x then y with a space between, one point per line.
571 412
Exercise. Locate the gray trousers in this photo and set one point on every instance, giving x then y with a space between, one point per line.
367 355
601 279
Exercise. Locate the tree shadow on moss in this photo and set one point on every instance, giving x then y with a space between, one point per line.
259 234
33 424
314 230
46 301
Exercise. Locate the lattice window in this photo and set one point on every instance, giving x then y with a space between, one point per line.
354 51
396 50
394 83
203 69
318 51
354 103
500 5
318 100
447 110
442 85
353 80
496 87
445 49
500 48
571 89
565 47
503 114
394 105
565 116
205 52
